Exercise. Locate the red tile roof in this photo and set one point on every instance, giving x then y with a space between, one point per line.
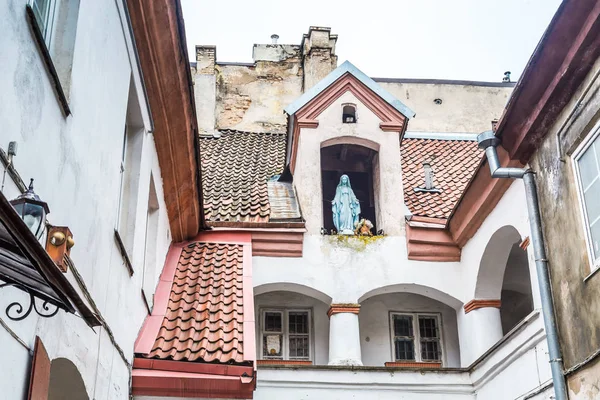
235 170
203 312
453 163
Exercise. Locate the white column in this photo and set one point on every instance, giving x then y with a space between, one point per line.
344 339
479 329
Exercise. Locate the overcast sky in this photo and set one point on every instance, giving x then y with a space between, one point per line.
444 39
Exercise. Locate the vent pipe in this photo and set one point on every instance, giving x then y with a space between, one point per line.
489 142
274 38
428 175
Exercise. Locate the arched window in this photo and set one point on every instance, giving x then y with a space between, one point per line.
359 164
349 114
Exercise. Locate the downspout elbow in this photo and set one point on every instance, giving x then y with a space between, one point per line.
488 141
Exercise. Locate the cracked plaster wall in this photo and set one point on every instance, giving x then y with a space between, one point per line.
577 301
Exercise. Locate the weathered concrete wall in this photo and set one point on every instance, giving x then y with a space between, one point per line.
577 299
251 97
75 161
465 107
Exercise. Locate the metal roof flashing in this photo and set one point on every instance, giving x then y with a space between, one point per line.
348 68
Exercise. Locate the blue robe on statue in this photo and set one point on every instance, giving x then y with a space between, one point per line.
345 207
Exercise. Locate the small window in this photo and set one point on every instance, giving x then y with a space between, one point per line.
286 334
349 114
587 166
416 338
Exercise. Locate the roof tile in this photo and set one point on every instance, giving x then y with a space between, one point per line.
204 317
235 170
453 163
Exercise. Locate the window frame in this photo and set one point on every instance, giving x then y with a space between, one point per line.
417 336
47 29
577 155
285 334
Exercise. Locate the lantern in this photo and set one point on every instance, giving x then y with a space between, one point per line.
32 211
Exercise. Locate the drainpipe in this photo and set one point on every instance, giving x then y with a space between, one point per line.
489 142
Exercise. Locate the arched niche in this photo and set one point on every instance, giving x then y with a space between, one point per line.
66 382
493 262
504 275
358 159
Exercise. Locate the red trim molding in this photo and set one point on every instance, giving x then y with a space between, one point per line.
404 364
426 241
391 119
476 304
283 362
343 308
479 199
160 39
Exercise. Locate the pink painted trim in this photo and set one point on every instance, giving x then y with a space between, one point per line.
151 327
249 323
391 119
158 383
190 367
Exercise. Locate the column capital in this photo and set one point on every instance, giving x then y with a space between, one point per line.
338 308
481 303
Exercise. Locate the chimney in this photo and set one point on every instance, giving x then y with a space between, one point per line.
428 175
205 89
506 78
318 50
274 38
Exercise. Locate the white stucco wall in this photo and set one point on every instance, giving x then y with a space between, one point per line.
375 330
75 162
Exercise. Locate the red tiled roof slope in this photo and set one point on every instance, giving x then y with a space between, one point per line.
204 317
235 171
453 163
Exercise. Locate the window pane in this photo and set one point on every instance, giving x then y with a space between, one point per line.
592 201
403 325
40 10
298 322
272 345
587 166
404 349
299 347
428 327
273 322
430 350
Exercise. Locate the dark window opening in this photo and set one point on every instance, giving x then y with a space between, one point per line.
349 114
516 298
356 162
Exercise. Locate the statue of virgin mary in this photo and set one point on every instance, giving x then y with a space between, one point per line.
345 207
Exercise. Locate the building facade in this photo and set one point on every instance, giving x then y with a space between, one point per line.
557 138
76 108
440 301
287 227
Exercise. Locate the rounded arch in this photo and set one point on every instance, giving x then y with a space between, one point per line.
422 290
493 262
357 141
66 382
292 287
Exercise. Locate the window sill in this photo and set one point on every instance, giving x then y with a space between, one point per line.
39 38
123 252
283 362
594 271
411 364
